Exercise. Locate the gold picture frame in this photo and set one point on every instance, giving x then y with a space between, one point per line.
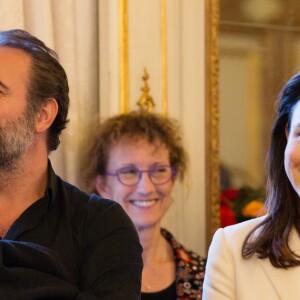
212 119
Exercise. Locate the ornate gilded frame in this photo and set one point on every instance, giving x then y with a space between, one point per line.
124 103
212 119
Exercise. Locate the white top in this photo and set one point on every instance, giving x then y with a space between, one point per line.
230 276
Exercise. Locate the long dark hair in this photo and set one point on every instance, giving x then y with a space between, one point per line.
47 78
270 238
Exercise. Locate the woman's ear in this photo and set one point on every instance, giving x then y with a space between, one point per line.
101 187
46 115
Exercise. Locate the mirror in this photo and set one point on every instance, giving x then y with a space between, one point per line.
259 43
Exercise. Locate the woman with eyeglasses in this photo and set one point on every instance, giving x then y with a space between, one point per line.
135 160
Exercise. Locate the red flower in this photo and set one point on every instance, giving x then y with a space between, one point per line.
229 194
238 205
227 215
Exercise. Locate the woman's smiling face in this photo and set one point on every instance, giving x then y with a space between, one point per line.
292 150
146 203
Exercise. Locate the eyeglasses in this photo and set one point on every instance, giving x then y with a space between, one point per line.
130 176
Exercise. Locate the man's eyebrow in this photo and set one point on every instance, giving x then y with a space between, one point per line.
4 86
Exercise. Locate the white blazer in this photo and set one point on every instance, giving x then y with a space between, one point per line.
230 276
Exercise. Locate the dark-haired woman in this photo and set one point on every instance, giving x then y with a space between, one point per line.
260 258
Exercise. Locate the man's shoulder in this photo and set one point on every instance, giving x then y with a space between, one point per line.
79 200
96 215
72 195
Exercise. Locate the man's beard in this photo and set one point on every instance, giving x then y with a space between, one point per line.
15 138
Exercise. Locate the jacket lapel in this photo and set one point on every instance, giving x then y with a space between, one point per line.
285 281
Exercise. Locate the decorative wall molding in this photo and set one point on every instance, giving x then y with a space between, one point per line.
146 102
164 60
123 56
212 119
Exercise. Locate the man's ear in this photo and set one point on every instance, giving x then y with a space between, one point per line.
46 115
101 187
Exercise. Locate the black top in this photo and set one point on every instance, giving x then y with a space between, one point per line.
167 294
68 245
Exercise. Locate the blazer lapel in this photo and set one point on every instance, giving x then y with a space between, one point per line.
285 281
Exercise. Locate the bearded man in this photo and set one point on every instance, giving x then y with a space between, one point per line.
56 241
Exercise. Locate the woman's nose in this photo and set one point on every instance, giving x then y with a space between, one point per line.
145 185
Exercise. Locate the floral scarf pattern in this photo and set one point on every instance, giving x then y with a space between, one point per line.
190 269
